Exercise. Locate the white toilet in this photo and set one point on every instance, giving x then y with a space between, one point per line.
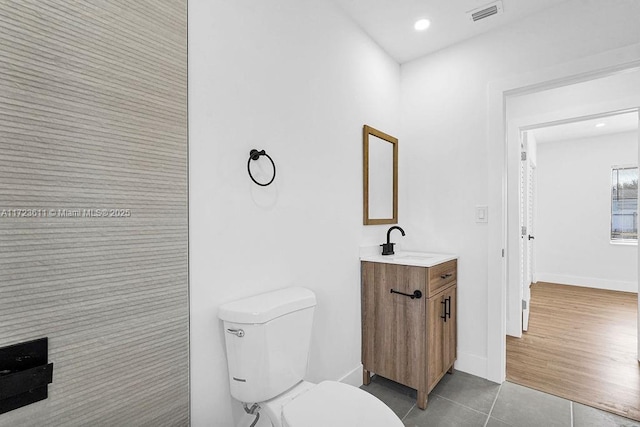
267 340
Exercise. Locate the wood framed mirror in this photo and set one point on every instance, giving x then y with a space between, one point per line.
380 153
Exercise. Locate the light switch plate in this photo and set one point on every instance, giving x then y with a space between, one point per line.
482 214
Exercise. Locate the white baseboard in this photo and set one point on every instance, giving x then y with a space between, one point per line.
466 362
353 377
588 282
471 364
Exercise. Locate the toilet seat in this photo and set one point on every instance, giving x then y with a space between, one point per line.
335 404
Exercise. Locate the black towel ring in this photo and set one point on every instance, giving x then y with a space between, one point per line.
255 155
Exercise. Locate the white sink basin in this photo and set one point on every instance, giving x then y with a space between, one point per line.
419 259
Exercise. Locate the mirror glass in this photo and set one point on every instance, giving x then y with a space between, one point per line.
380 177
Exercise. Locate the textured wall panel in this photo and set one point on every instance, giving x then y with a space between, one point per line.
93 98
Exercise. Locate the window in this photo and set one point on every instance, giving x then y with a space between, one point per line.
624 203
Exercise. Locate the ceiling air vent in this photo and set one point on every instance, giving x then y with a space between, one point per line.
486 11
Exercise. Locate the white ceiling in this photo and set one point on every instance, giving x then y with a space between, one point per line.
586 129
390 22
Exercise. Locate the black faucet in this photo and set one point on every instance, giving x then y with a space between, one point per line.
387 248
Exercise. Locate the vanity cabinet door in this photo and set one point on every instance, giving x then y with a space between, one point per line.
435 331
442 332
393 335
450 329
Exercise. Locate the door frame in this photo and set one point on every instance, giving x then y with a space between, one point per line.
597 66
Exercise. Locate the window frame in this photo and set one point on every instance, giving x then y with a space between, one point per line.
621 241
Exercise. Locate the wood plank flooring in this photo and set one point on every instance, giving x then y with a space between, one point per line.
581 345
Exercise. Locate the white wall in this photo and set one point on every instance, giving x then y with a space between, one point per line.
444 163
299 80
574 213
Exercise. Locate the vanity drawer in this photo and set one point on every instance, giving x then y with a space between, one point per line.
441 275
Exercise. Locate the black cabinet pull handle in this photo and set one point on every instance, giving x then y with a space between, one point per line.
531 237
415 295
447 308
444 276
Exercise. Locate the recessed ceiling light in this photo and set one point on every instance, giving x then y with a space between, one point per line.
601 125
421 24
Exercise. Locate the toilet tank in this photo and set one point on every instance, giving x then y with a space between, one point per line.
267 340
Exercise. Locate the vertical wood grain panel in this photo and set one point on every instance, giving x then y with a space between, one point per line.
393 333
368 315
435 362
93 98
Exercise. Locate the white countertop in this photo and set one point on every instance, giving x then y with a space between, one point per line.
418 259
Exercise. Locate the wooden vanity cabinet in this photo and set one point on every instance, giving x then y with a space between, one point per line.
409 340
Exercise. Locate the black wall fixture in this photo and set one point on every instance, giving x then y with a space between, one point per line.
24 374
255 155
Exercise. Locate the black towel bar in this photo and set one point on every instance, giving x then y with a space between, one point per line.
255 155
415 295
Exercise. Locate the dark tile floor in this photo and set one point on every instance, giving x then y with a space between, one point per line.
461 400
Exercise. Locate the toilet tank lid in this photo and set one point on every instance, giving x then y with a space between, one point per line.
265 307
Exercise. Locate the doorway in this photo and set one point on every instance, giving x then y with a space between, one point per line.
580 155
564 110
499 93
582 341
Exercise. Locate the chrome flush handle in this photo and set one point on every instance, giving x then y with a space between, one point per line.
237 332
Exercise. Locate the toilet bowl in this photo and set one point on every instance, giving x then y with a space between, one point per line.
329 403
267 341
